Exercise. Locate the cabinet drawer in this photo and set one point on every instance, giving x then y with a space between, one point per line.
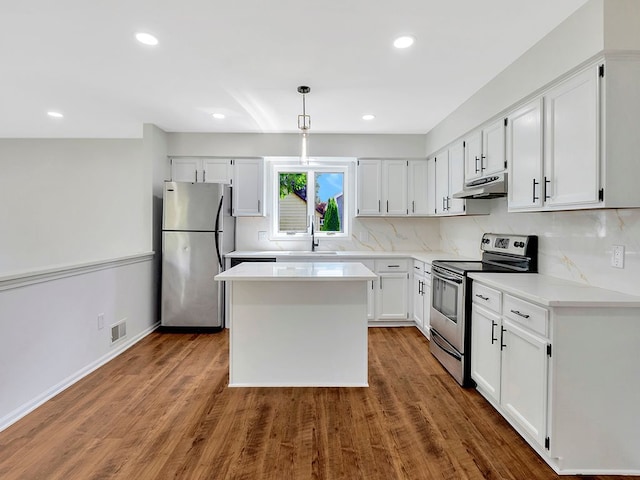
392 265
427 273
531 316
487 297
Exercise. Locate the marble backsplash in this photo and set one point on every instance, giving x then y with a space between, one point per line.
574 245
368 234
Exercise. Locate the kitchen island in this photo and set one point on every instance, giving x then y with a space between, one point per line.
298 324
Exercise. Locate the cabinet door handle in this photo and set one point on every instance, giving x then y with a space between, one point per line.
196 176
481 297
413 206
482 159
546 197
477 160
520 314
258 205
380 283
448 206
387 206
502 345
444 208
378 206
420 292
204 176
534 190
493 327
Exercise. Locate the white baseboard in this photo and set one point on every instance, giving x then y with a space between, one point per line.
30 406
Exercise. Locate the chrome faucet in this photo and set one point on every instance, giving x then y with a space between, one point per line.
314 243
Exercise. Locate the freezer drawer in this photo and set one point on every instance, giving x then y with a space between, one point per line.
190 296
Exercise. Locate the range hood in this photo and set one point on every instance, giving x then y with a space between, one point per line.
493 186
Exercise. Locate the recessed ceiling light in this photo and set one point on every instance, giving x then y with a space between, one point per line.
146 38
55 114
404 41
219 116
368 116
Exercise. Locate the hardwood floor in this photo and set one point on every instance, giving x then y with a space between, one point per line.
162 410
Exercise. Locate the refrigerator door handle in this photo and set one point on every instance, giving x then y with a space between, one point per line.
216 236
219 214
217 232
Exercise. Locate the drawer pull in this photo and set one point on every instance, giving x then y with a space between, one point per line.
523 315
393 266
482 297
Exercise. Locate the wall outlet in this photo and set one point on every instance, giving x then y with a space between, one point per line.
617 256
100 321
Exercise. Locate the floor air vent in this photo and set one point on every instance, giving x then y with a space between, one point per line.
119 330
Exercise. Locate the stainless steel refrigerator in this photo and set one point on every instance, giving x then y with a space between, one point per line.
197 230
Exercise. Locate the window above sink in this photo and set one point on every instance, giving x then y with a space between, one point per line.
305 195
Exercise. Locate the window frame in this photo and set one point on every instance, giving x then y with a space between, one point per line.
313 168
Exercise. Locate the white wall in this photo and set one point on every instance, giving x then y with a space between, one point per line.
574 41
50 336
72 201
271 144
77 222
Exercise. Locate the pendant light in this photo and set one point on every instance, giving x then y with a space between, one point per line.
304 124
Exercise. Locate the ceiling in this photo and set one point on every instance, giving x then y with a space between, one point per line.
245 58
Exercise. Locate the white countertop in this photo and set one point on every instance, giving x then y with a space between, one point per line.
555 292
427 257
299 271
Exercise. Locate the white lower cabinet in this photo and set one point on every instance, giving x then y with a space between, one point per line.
525 379
486 356
563 376
509 360
392 297
421 296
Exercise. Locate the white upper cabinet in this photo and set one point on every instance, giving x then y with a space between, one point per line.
484 152
394 187
442 181
418 189
248 187
449 168
431 186
369 187
456 178
493 150
186 170
575 146
201 170
382 187
473 156
572 160
524 156
216 170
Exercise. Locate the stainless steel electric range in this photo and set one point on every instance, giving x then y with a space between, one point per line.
451 296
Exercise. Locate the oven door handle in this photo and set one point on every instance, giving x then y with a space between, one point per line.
434 338
439 274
